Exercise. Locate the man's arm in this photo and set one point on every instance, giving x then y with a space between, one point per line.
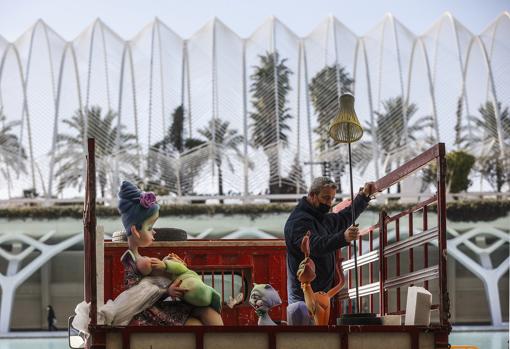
319 244
343 219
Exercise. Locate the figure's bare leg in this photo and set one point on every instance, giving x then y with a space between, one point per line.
208 316
193 322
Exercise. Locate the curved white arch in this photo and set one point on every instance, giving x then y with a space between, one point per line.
25 102
68 47
38 24
151 83
9 283
488 66
429 77
308 113
401 78
464 96
125 52
105 57
375 149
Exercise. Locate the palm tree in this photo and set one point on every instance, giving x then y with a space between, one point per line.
175 161
486 143
326 87
89 123
392 145
12 153
295 178
271 115
223 140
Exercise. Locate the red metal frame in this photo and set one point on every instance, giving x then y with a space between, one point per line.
272 331
415 239
260 265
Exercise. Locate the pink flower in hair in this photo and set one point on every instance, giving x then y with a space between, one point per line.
147 199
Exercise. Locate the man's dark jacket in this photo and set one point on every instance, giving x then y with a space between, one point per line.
327 236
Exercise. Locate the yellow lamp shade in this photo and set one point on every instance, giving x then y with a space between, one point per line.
345 127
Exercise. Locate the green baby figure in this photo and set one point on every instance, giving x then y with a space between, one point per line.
196 292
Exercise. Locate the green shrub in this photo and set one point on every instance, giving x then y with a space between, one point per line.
472 210
458 165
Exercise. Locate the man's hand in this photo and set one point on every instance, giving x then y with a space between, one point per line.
351 233
175 291
369 189
157 264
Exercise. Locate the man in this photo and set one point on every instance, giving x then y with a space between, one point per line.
329 232
52 319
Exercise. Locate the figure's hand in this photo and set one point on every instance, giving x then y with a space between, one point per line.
302 266
351 233
175 291
306 270
157 264
369 189
174 257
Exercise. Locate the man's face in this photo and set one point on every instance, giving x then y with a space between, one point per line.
325 196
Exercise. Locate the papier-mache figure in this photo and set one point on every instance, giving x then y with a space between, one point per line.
318 303
263 297
149 282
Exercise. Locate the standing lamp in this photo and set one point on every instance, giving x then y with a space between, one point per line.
345 128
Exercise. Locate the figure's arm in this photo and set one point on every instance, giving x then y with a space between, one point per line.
171 264
309 298
175 267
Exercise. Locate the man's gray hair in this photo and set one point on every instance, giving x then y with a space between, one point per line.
321 182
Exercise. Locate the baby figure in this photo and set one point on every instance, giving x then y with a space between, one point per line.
197 292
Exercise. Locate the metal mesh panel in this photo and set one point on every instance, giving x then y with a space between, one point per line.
219 114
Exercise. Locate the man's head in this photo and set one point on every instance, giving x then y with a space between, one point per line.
322 193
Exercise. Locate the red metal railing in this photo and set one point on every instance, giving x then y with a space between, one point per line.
393 281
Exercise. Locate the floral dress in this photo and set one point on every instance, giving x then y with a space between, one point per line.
162 313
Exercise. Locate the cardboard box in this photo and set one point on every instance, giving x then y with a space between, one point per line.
419 301
391 320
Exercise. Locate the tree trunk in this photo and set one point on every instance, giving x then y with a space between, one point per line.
272 157
220 180
102 184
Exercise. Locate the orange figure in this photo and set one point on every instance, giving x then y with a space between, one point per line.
318 303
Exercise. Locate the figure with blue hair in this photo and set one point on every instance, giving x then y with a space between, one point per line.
157 292
155 280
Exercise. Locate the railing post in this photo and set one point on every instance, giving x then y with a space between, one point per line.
442 250
383 299
89 238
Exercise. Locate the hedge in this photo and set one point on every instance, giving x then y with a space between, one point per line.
472 210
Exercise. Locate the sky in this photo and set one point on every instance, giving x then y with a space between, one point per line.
127 17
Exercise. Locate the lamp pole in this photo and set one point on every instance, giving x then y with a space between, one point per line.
346 128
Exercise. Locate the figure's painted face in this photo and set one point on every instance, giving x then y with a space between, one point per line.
147 232
264 297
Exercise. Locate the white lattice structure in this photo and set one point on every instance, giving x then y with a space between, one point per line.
440 77
22 246
482 240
